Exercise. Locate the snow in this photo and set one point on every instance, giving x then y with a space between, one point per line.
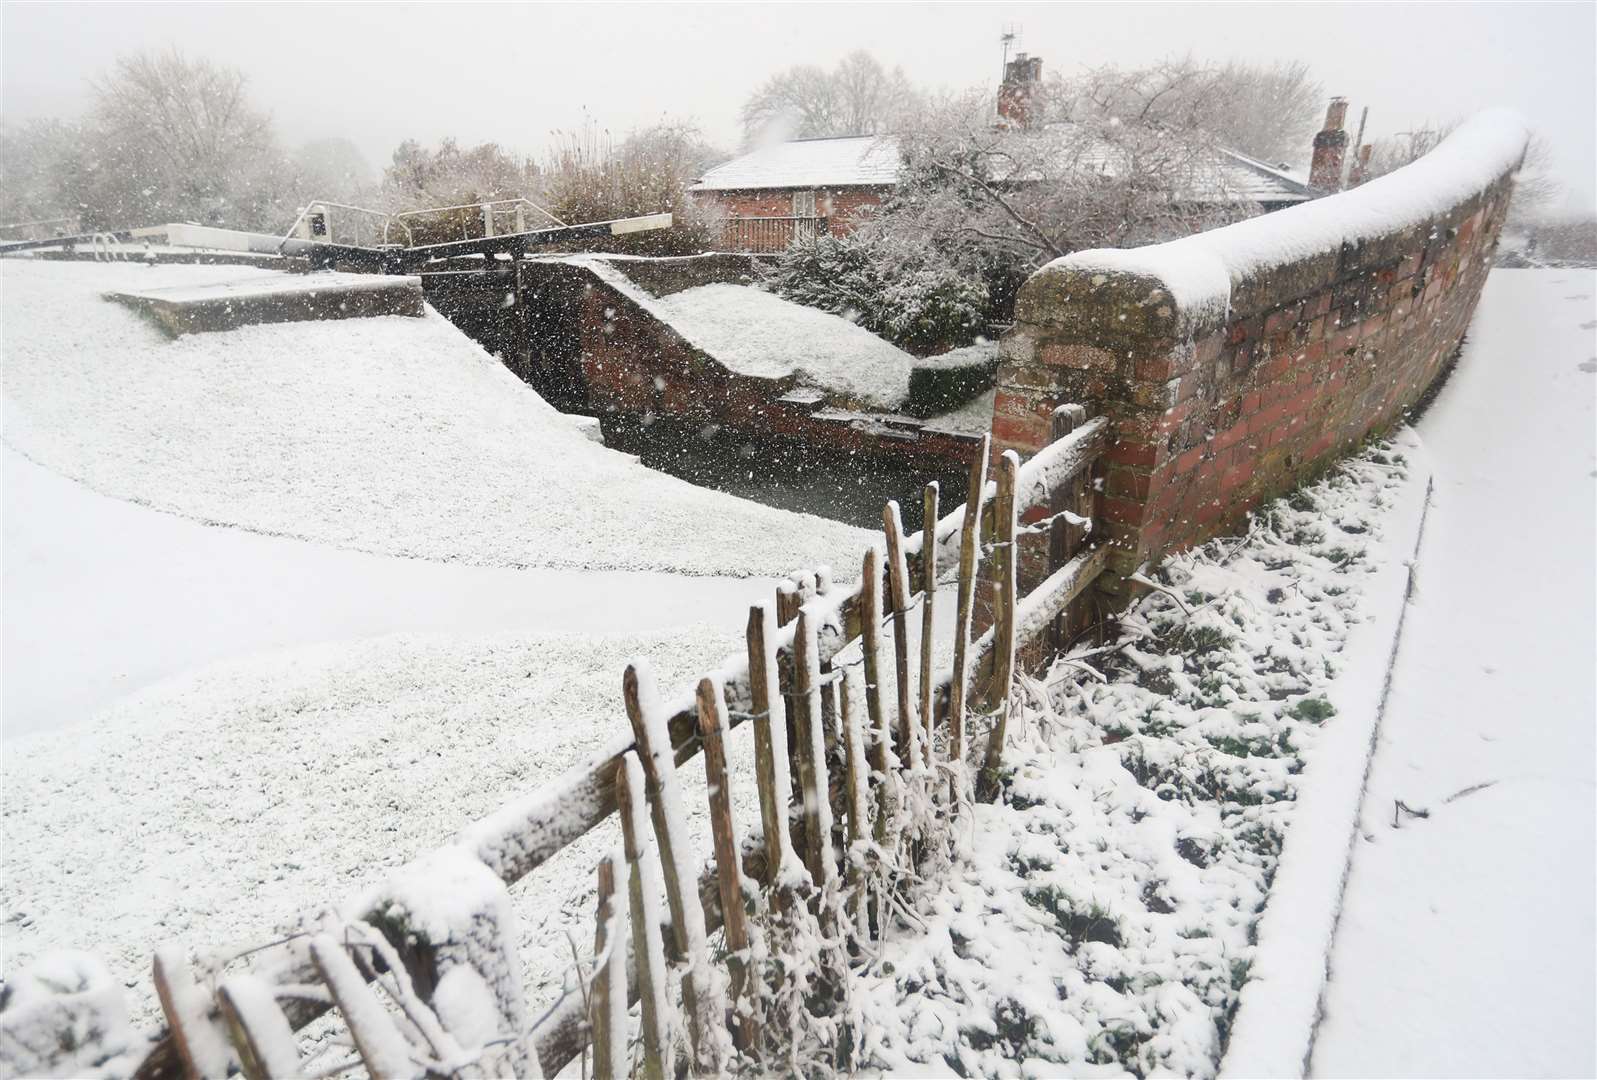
207 809
171 594
65 1016
853 161
1280 1004
1200 270
875 161
1466 940
757 333
271 284
380 434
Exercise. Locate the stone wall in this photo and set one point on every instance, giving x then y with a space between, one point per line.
1235 364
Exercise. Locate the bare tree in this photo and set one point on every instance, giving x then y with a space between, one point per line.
1093 170
588 176
332 168
857 97
174 138
418 178
33 160
1268 112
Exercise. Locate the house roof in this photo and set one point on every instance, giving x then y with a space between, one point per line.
853 161
873 161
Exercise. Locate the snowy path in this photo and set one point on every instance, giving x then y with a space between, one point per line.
103 597
1466 941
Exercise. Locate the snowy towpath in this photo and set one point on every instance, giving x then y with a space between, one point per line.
1466 941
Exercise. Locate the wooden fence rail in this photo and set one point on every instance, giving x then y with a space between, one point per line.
837 776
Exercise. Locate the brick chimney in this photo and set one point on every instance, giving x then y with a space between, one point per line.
1325 169
1360 170
1021 76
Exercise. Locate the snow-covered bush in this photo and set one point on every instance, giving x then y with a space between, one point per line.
901 291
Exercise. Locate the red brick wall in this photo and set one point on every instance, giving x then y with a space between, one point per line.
632 363
845 207
1214 412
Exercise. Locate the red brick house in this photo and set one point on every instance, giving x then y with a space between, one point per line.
799 189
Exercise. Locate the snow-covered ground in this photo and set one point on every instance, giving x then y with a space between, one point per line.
207 810
390 435
103 597
759 333
1466 945
424 612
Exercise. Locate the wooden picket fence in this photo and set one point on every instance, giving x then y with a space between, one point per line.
413 968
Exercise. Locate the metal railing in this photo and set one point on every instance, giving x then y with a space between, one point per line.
770 233
361 226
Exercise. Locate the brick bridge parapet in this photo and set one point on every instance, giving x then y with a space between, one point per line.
1236 363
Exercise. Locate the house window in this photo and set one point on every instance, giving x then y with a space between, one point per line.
804 204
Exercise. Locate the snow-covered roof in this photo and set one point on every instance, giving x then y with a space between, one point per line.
874 161
1253 179
854 161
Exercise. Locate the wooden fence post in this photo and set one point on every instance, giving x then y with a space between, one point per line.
383 1050
970 541
728 868
871 647
1064 538
996 700
201 1042
648 950
699 992
770 745
858 783
907 737
815 793
607 996
260 1033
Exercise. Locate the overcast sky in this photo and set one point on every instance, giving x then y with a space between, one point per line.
379 73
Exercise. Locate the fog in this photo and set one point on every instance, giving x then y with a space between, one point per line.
381 73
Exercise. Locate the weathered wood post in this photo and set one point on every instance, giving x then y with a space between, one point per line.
996 698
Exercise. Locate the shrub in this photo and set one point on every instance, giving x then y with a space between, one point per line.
899 290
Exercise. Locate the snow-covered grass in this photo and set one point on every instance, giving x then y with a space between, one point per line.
88 621
1102 918
209 809
391 435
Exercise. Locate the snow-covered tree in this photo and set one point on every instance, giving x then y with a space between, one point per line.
857 97
1109 159
174 138
1266 111
418 178
33 160
333 168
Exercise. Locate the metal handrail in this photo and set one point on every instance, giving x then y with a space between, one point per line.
519 199
388 219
